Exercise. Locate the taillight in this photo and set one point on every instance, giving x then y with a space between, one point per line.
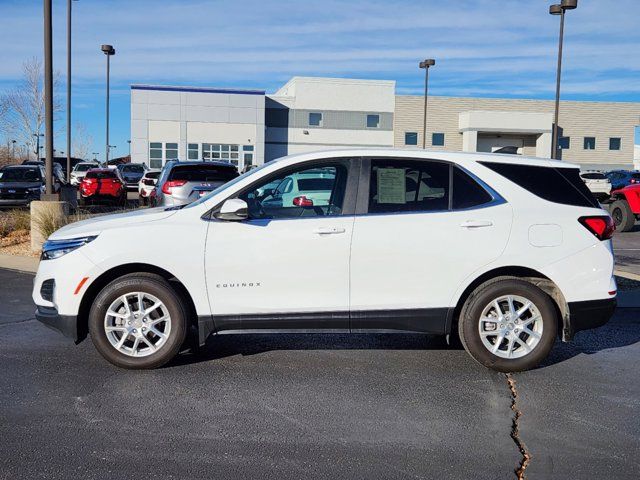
601 226
166 188
302 201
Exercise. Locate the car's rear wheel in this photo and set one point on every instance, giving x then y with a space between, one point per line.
622 215
508 325
138 321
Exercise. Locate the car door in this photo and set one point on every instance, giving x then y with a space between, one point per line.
422 228
286 266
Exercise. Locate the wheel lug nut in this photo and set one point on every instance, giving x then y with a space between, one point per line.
135 331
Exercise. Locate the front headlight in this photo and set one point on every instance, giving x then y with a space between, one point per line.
53 249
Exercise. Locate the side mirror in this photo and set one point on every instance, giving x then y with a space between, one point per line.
233 209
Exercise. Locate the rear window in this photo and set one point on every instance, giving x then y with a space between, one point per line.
99 174
558 185
593 176
152 174
133 168
203 173
635 175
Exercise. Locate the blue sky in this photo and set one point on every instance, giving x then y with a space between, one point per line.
490 48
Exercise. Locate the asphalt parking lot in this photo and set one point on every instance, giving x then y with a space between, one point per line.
626 246
313 406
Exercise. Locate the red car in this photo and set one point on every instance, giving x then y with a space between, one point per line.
103 184
625 207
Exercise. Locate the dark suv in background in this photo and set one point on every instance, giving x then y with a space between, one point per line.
181 183
131 173
21 184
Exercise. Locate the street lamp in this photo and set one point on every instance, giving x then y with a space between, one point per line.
69 89
559 9
129 143
38 147
108 50
429 62
13 150
48 97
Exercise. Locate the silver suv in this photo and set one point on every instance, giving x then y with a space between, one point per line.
181 183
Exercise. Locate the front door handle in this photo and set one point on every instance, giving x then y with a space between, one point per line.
476 223
328 230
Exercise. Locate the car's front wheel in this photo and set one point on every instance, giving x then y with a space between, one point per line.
138 321
508 325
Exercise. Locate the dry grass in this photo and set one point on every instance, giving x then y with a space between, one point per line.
14 221
48 220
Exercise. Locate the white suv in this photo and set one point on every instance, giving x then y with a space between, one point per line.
507 252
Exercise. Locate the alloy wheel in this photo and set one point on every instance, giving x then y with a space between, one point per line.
510 326
137 324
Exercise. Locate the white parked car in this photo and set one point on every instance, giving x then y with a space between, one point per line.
598 184
148 184
507 252
80 170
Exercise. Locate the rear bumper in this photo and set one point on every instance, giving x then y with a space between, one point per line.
588 314
65 324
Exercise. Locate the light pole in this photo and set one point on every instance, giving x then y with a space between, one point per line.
48 97
108 50
95 156
559 9
429 62
129 143
38 147
69 2
13 150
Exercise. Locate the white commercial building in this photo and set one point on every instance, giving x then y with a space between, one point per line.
248 127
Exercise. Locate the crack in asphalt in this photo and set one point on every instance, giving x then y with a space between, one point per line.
515 430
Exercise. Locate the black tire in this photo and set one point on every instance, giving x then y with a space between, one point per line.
162 290
622 215
469 321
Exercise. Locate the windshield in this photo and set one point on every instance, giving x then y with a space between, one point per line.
223 187
20 175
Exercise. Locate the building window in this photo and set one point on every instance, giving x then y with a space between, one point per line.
564 143
159 153
411 138
614 143
437 139
248 148
315 119
373 121
220 151
589 143
248 159
155 155
192 152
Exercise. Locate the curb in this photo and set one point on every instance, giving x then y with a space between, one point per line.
19 263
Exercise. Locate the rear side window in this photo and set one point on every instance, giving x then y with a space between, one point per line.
202 173
558 185
466 191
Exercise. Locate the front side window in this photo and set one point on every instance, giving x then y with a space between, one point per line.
589 143
315 119
411 138
614 143
373 121
307 192
437 139
408 186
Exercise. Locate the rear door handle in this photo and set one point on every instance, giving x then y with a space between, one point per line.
476 223
328 230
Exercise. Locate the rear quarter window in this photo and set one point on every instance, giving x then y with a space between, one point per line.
558 185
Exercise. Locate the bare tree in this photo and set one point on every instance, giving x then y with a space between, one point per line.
22 108
82 142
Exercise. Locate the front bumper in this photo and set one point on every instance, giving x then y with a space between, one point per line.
65 324
588 314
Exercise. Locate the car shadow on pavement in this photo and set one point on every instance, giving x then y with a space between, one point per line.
623 330
228 345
